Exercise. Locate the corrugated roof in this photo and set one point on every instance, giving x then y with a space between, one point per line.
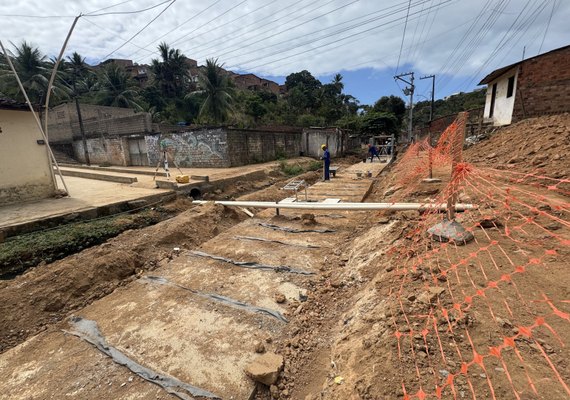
498 72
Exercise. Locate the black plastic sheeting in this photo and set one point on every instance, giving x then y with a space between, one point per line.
308 246
293 230
253 265
222 299
89 331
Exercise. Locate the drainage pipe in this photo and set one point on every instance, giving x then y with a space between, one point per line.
340 206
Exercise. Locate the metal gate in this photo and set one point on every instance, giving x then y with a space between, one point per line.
138 152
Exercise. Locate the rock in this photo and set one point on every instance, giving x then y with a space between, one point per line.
431 294
274 391
514 160
492 155
554 226
265 369
308 219
280 298
505 323
259 348
218 191
391 190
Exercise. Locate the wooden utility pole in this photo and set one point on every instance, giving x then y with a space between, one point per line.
456 158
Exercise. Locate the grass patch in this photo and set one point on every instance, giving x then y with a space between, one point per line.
22 252
315 166
291 169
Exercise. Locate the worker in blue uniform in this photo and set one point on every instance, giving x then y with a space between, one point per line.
327 161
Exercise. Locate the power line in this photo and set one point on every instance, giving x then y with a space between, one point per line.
554 3
218 54
508 36
328 35
403 36
113 33
335 41
111 6
130 12
213 19
143 28
177 27
243 28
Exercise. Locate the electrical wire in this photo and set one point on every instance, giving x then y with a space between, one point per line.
403 37
554 3
286 30
177 27
234 37
222 52
210 21
142 29
108 7
328 35
130 12
337 40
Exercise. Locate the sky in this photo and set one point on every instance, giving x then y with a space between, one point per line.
367 41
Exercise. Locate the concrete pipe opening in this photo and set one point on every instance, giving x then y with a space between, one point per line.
195 193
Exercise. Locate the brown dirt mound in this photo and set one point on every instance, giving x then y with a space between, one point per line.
540 145
47 293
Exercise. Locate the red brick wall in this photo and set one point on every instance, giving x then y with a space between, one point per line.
543 86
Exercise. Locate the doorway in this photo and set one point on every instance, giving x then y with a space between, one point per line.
138 153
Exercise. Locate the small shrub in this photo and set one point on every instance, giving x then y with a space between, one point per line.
314 166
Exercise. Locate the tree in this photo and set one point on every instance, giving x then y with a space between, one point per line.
117 88
379 123
33 70
255 108
217 92
392 105
171 72
305 88
76 70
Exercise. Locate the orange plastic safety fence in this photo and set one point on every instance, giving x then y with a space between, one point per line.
489 318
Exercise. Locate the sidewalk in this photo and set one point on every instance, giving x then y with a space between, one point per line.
91 194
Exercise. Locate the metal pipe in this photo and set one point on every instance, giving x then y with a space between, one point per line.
339 206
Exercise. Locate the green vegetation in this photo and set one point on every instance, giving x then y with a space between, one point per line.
21 252
448 106
172 95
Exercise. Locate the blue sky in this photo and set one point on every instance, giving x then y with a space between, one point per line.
367 41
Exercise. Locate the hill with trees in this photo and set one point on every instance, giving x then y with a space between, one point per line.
172 96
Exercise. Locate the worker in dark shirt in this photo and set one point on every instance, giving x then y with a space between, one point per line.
373 152
327 161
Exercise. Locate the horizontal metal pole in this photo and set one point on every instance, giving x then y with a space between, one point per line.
340 206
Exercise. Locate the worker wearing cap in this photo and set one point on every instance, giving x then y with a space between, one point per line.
327 159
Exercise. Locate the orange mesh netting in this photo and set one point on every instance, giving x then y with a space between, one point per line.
489 318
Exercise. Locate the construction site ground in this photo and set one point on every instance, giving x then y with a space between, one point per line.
361 305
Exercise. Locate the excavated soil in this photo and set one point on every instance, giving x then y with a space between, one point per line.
391 314
537 145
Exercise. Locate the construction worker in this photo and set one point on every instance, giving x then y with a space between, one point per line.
327 159
373 152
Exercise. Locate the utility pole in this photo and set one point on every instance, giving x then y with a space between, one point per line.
409 91
430 178
432 95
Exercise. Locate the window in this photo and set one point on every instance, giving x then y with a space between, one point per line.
511 86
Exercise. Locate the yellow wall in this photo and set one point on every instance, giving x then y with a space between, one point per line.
25 169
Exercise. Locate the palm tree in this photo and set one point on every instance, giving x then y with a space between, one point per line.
77 70
117 88
218 95
337 82
33 70
171 71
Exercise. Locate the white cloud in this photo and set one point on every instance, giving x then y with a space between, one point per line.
430 36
